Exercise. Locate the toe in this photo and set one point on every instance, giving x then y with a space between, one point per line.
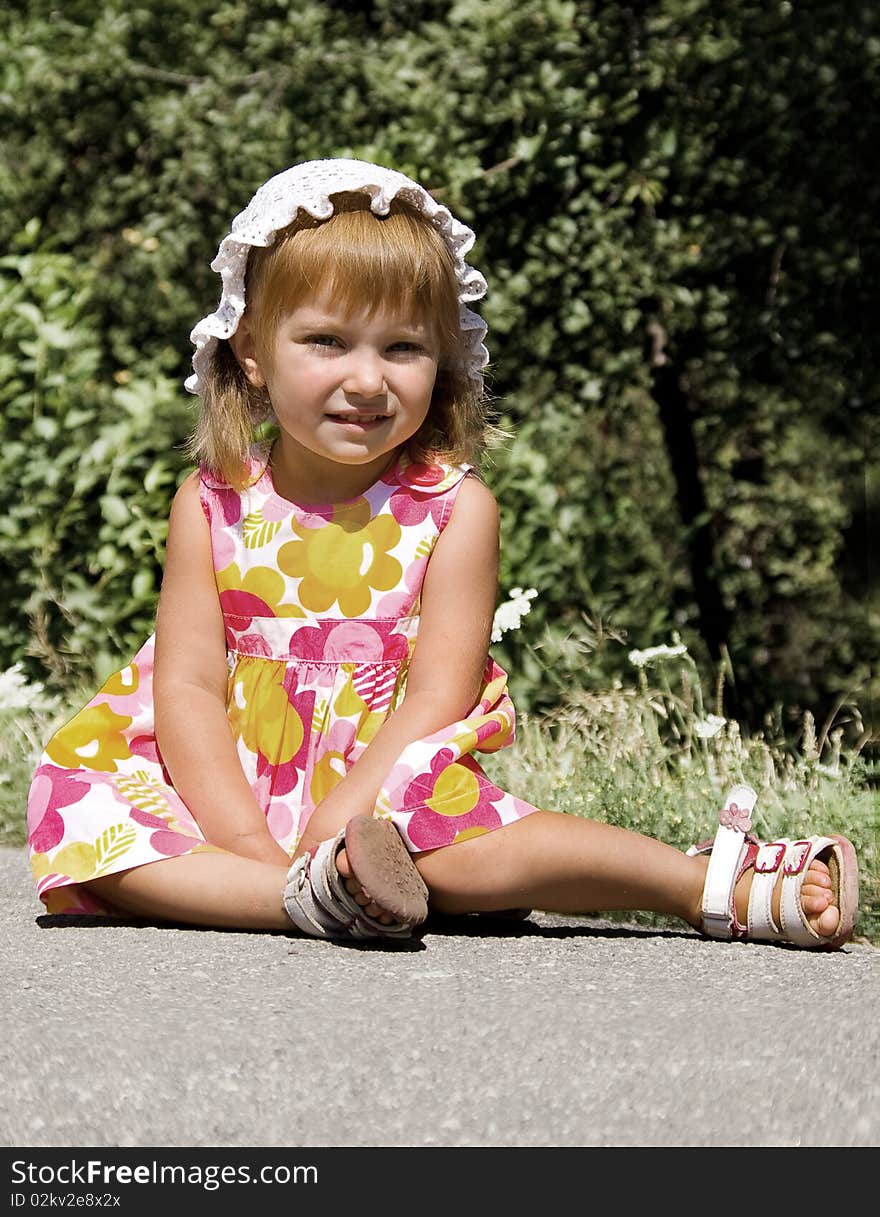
818 874
354 889
827 922
815 899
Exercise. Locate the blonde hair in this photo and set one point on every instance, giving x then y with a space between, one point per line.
366 263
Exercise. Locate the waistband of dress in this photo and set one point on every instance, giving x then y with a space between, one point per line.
328 640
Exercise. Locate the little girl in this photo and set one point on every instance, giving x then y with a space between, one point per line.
294 747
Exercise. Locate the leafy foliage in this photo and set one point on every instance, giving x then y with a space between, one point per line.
87 465
674 221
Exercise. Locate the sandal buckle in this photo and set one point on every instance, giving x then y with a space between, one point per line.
769 857
793 867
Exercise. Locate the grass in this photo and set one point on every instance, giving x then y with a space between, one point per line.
649 760
645 757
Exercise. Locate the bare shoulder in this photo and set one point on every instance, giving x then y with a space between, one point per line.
475 506
187 523
188 494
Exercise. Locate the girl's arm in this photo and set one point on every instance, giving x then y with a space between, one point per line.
444 679
189 687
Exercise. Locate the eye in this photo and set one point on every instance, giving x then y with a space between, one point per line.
322 340
406 348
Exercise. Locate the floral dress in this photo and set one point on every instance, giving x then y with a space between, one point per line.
321 611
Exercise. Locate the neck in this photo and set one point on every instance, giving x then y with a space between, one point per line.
304 477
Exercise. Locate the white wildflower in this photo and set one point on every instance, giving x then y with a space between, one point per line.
708 728
640 659
16 693
508 616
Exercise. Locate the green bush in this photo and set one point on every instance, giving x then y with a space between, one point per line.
671 211
88 465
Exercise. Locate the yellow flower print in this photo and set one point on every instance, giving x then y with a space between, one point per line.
456 792
261 714
123 682
467 834
92 740
82 860
327 774
487 733
343 560
260 588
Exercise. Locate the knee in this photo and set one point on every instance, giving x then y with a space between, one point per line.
453 887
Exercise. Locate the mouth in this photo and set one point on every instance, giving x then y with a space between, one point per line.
358 420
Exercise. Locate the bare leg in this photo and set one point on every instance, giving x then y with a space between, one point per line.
562 864
211 889
565 864
548 861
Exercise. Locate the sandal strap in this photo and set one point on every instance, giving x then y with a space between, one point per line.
733 851
330 890
792 858
301 906
318 903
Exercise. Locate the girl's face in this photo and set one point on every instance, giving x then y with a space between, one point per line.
346 389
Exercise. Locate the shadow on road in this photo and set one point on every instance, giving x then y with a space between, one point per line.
473 925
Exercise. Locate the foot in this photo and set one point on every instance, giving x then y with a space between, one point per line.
817 899
361 897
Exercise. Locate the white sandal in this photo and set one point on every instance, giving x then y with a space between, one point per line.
318 902
735 850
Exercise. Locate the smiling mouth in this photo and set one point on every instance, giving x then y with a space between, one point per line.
358 419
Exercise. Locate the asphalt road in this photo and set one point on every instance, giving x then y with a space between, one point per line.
554 1032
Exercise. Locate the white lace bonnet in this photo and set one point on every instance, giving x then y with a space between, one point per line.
309 186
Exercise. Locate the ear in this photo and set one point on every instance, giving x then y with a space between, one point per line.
245 351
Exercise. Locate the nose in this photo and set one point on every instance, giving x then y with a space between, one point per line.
364 374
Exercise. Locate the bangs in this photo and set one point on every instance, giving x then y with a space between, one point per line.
365 263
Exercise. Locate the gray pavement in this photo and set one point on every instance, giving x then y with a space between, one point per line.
554 1032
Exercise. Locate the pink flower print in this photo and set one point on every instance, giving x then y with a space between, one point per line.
238 603
52 789
456 801
130 690
250 644
419 476
169 843
229 503
147 749
280 820
282 778
223 547
736 817
341 739
401 603
349 642
398 604
410 508
48 832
